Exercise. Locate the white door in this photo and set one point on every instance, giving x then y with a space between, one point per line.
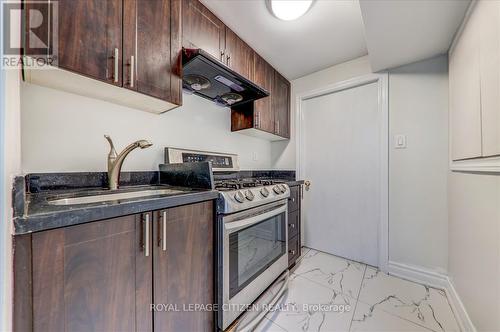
341 158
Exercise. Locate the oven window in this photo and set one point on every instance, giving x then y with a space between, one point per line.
254 249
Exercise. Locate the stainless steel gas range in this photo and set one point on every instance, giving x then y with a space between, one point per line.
252 239
252 250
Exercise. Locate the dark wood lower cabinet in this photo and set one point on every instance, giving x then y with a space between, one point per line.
183 268
105 275
294 224
92 277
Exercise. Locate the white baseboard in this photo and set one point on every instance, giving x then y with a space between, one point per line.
459 309
437 280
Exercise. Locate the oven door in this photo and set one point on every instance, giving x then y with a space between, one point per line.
255 253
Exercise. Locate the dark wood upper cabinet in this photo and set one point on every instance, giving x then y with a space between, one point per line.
239 56
281 105
263 108
268 117
92 277
202 29
183 267
131 44
90 37
152 49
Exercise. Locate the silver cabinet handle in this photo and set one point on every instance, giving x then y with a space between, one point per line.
222 55
291 225
292 252
116 69
228 60
132 71
278 125
146 235
164 231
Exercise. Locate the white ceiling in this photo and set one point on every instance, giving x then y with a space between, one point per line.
401 32
330 33
397 32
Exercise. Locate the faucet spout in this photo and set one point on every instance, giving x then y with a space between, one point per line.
115 161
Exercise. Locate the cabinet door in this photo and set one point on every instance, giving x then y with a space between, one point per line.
281 106
239 56
263 110
489 49
184 267
92 277
202 29
90 35
152 48
465 102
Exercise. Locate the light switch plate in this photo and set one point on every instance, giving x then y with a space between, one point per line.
400 141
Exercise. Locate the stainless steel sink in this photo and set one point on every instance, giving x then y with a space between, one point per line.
113 197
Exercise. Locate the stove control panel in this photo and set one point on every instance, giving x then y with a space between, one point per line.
238 200
219 161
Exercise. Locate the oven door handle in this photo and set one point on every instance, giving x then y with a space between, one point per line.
238 224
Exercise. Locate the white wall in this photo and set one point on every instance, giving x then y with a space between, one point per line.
418 210
418 107
10 158
474 245
64 132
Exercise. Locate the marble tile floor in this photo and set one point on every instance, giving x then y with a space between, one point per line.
328 293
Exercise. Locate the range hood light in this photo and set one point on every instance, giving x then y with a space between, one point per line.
288 10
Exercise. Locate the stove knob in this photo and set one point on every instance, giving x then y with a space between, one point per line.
238 196
277 190
283 188
249 195
264 192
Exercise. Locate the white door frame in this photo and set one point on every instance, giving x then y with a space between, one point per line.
383 107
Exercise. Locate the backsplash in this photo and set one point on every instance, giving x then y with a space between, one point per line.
39 182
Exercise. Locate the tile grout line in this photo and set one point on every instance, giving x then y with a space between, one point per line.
357 298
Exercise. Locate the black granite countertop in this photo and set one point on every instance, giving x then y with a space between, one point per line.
32 194
40 215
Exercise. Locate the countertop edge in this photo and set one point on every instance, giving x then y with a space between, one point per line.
42 222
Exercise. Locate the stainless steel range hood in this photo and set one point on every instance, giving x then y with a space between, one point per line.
206 77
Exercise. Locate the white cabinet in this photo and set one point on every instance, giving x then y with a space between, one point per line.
465 94
489 50
475 85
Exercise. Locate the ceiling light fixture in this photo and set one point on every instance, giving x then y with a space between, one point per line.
289 10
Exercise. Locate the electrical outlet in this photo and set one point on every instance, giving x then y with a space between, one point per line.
255 156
